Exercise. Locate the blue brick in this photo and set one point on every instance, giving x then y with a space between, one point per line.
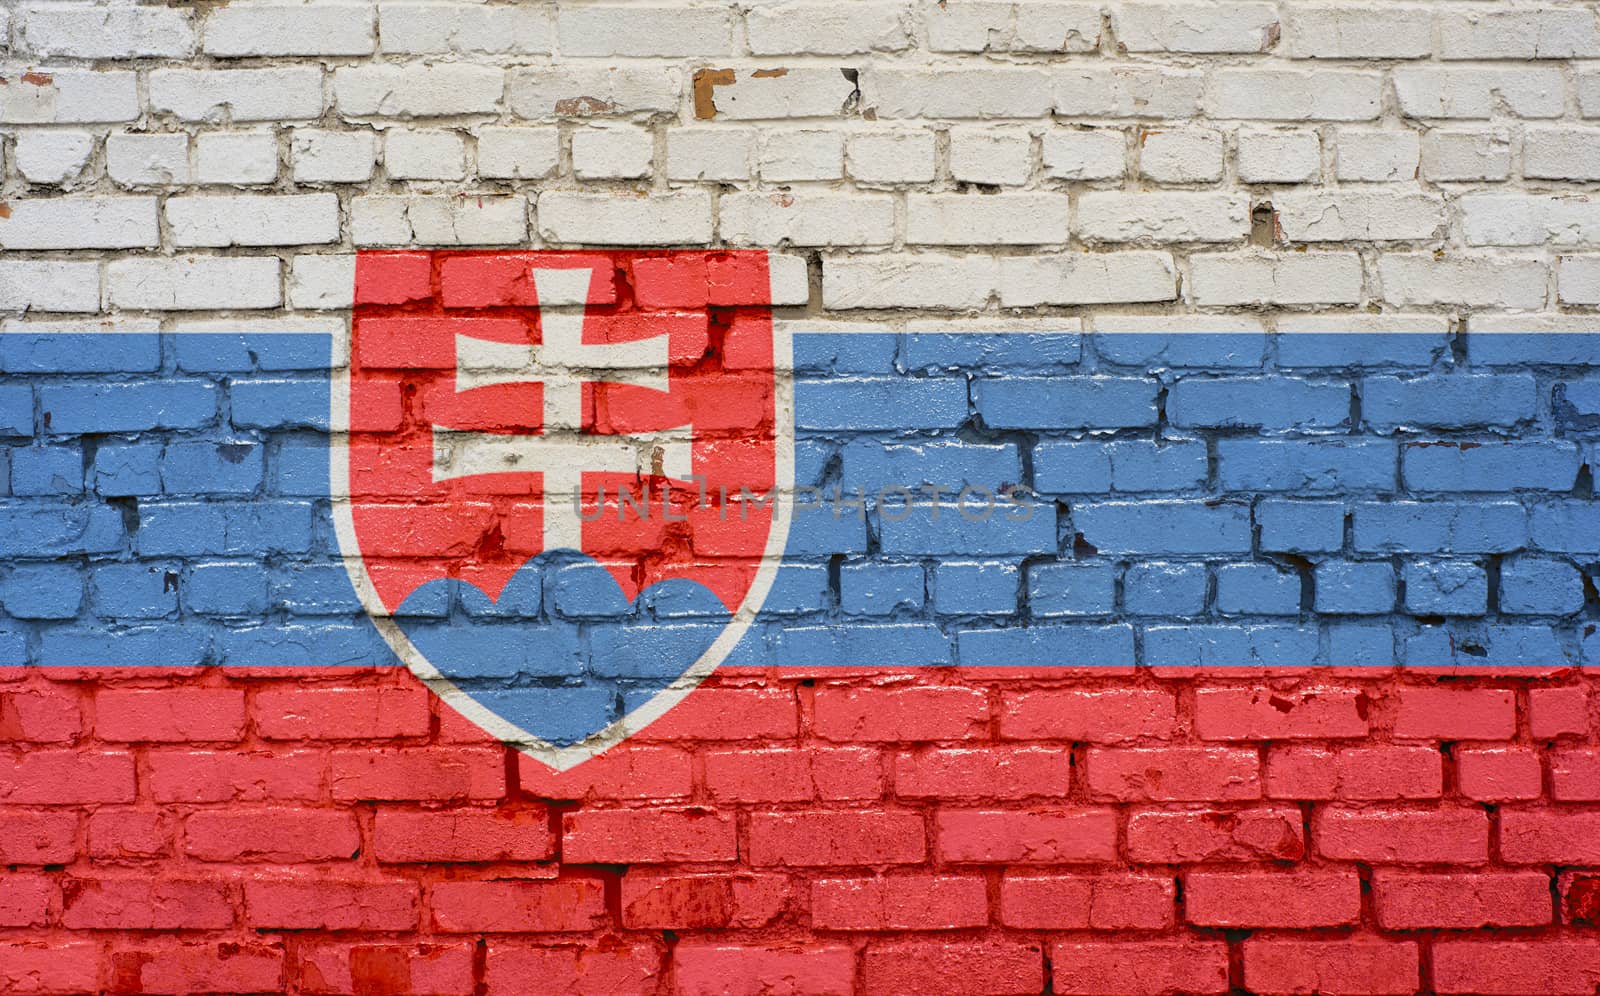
1537 587
873 464
681 599
1164 527
1566 526
1517 349
46 470
882 403
1354 588
45 529
585 591
71 409
852 353
1065 403
1306 466
942 529
972 588
198 528
825 529
1361 645
13 646
430 601
1210 350
1449 401
54 352
166 645
1439 527
16 410
135 591
359 645
654 650
521 598
1162 589
798 589
1487 647
1071 590
1361 349
43 591
212 468
811 459
936 352
875 589
1065 645
1230 646
1446 588
1300 526
499 650
1061 468
862 645
211 352
1268 402
1141 465
1257 590
1582 396
1524 465
122 469
280 404
226 589
299 469
313 589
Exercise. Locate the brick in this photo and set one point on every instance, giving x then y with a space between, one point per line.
288 93
625 970
102 33
1334 32
935 713
570 905
1358 965
900 902
1267 278
417 90
131 904
603 219
1080 902
346 968
124 222
1101 968
1157 837
194 283
220 966
322 904
278 835
130 833
1453 836
50 715
682 902
836 838
1456 714
418 773
1321 898
1455 901
920 966
999 219
807 219
1289 95
438 28
27 900
1554 836
997 158
1506 282
1555 712
711 969
745 775
1575 775
289 30
647 837
1105 216
340 713
1109 716
1034 837
37 967
39 837
1476 92
1499 774
1377 156
65 776
1552 965
170 714
983 773
1504 34
461 835
1174 773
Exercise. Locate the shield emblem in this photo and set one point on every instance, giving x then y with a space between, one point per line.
555 484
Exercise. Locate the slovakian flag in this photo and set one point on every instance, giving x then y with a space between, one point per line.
564 487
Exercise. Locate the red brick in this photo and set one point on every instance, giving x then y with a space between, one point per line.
1170 774
232 776
1139 968
1103 716
320 903
1550 836
25 900
836 838
144 904
365 968
647 836
65 776
520 906
1263 714
1456 836
1388 772
1046 836
341 713
130 833
1007 968
40 715
393 277
1457 714
900 902
1358 966
1532 967
988 772
1322 898
169 714
1498 774
734 970
794 775
1558 712
42 837
613 969
687 902
220 967
281 835
729 714
1087 902
1575 775
462 835
1580 897
1458 901
853 715
56 967
424 773
623 772
1175 837
1302 773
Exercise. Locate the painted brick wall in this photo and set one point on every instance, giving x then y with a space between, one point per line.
1204 199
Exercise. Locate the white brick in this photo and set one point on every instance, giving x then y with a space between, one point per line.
1290 95
333 156
1072 154
66 96
322 282
716 154
49 285
1128 93
423 154
682 218
1561 153
1114 216
147 160
1572 33
1589 94
612 153
1579 279
1359 216
806 28
908 280
546 94
1466 155
1475 93
103 31
1509 219
518 153
1377 156
1185 156
418 90
1421 279
1360 322
55 326
1044 26
1195 27
289 93
194 283
1087 278
1257 278
845 219
1034 26
1010 92
1000 157
762 94
995 219
791 279
1279 156
1530 323
440 28
52 156
888 157
253 220
684 30
441 221
289 29
786 156
1225 324
1351 32
236 157
80 223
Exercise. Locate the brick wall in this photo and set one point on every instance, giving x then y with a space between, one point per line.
1203 199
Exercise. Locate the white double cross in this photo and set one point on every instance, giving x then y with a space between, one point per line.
562 451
